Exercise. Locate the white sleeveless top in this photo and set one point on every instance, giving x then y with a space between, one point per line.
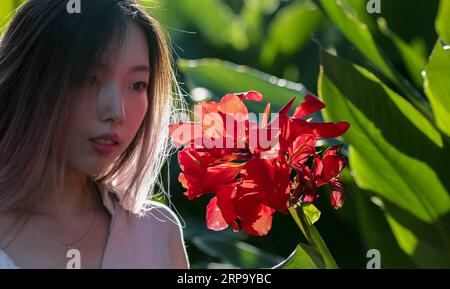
153 241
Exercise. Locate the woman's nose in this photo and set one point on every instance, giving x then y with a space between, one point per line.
110 104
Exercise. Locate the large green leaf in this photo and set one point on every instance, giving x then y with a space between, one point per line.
360 9
412 20
443 20
304 257
395 152
412 55
235 252
223 77
215 21
437 85
345 18
290 30
373 227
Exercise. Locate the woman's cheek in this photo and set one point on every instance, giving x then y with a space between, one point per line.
135 113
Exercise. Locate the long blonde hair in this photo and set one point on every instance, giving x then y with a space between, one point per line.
45 53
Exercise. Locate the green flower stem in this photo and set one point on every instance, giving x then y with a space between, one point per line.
299 222
313 236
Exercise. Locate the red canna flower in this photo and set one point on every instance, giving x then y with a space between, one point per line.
220 211
250 180
321 130
202 174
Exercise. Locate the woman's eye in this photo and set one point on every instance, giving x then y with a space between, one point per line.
139 86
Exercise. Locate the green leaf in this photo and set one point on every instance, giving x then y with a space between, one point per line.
412 57
360 9
443 20
437 86
290 30
345 18
311 212
253 13
223 77
215 21
374 229
395 152
7 10
304 257
235 252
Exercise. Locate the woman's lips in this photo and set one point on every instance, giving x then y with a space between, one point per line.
104 148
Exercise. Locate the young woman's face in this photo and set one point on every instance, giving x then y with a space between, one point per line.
110 103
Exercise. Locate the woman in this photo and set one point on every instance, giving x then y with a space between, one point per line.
85 100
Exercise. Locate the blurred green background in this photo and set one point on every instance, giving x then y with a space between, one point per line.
386 73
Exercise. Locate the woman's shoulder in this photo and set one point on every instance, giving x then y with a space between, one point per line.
160 226
152 212
155 214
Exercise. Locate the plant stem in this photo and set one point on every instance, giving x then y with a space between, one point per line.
313 236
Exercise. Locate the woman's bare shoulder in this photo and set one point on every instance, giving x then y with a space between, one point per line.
160 224
158 214
162 212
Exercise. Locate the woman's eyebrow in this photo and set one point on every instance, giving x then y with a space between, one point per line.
140 68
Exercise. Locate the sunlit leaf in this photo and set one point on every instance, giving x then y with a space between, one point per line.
311 212
413 59
304 257
290 30
437 85
223 77
344 17
7 11
443 21
395 152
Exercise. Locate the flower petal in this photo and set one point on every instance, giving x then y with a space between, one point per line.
332 164
203 108
337 198
225 195
250 95
200 175
232 104
287 107
214 218
261 224
255 217
309 105
329 129
183 133
266 115
269 179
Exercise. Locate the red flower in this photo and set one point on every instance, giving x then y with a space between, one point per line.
332 165
321 130
255 217
337 196
220 211
269 179
213 120
202 174
251 181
